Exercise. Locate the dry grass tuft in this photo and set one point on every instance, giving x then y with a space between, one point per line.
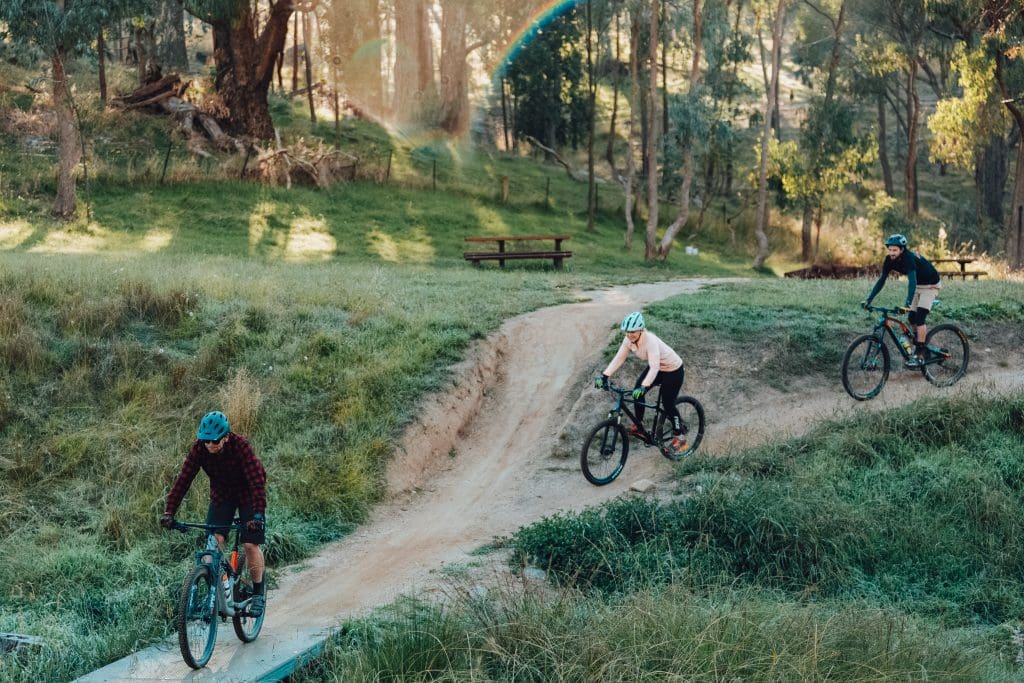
241 399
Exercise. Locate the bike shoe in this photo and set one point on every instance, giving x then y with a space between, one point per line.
914 363
679 444
257 605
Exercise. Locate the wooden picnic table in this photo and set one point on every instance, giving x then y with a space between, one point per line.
962 272
502 254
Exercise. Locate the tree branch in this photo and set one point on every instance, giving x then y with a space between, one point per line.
537 143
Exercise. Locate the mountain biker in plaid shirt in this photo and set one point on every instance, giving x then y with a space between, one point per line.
238 482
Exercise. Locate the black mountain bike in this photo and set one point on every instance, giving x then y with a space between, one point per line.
606 448
867 361
219 586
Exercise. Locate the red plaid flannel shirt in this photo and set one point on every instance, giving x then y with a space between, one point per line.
236 475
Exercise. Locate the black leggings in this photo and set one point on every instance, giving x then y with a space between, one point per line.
671 383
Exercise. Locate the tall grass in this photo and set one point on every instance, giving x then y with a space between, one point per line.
670 633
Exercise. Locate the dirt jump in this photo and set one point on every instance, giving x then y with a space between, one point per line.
498 449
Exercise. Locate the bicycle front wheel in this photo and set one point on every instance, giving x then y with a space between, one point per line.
604 452
691 416
247 627
197 617
949 345
865 367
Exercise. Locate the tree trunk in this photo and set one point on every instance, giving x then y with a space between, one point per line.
609 152
805 232
170 32
406 66
990 180
591 119
454 86
308 66
634 112
245 65
101 63
913 115
653 139
295 54
145 49
1015 223
883 147
761 223
504 114
688 163
69 144
356 36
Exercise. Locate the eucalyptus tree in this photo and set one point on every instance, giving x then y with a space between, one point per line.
61 30
248 38
772 12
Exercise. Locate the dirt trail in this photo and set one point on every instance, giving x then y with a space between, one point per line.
498 451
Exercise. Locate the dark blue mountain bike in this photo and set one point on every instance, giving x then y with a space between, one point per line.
218 587
867 362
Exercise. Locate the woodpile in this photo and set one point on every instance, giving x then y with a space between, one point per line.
302 164
166 95
835 271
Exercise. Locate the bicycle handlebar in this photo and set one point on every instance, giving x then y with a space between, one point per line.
236 525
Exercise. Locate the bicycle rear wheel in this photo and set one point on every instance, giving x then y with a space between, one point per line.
604 452
865 367
691 414
949 344
247 627
197 617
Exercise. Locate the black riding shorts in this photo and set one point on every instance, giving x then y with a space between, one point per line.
225 514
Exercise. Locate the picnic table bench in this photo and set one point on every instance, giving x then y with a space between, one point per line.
962 273
501 255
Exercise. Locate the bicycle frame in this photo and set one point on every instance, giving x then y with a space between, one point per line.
887 323
619 408
213 557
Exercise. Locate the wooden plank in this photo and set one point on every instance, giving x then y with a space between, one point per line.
500 256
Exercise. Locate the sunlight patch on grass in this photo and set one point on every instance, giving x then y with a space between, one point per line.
491 222
155 240
418 249
89 240
14 233
309 238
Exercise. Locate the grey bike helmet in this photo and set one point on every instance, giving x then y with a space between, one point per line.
896 240
633 322
213 426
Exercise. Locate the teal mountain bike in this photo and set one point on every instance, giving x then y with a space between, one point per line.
218 587
867 362
607 446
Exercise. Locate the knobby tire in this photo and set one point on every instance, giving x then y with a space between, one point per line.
866 366
197 617
604 452
691 413
951 342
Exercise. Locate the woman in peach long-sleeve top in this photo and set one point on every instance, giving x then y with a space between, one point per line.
664 368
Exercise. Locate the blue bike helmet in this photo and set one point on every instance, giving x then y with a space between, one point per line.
896 240
633 322
213 426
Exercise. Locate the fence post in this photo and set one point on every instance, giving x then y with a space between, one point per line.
505 189
167 158
547 192
435 174
387 174
245 164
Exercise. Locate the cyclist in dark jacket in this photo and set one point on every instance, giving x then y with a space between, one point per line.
922 287
238 482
